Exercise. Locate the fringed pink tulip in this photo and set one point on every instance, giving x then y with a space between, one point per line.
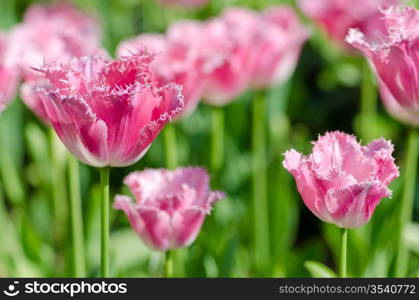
176 59
278 43
342 182
9 74
170 206
108 113
393 56
51 33
336 17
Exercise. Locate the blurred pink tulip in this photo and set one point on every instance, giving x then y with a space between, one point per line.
342 182
336 17
182 62
394 58
175 59
9 74
51 33
108 113
244 47
170 206
185 3
278 43
226 62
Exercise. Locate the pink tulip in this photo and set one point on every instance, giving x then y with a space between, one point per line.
185 3
181 64
342 182
175 59
51 33
278 43
394 59
106 112
336 17
170 206
9 74
226 61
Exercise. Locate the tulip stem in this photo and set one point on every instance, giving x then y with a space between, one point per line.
406 205
77 234
217 141
170 146
259 178
368 102
58 184
104 190
343 254
168 264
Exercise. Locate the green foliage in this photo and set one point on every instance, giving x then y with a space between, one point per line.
319 270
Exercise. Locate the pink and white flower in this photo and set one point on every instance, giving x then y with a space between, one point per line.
394 58
277 45
108 112
249 48
226 58
51 33
170 206
342 182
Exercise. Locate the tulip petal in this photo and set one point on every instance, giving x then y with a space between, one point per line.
77 127
353 207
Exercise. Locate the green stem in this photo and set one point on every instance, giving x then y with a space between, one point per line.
168 264
259 178
170 146
368 102
58 185
76 219
217 140
104 190
3 253
10 171
343 254
406 205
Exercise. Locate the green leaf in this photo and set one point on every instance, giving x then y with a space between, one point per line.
12 153
318 270
37 145
411 237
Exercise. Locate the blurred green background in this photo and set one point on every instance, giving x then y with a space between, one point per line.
323 95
